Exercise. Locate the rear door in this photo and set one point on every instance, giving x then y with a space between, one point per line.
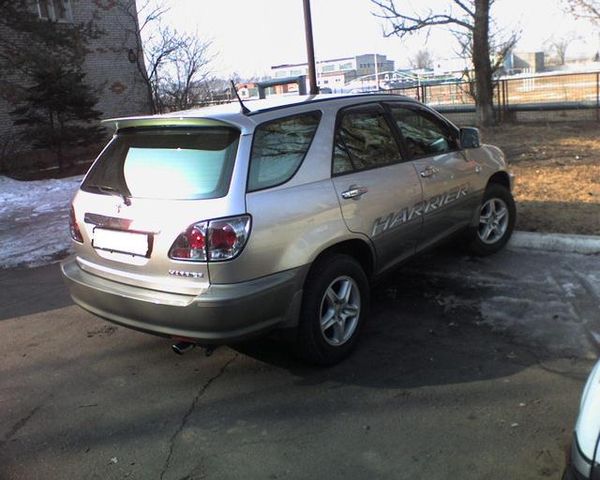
376 187
445 172
147 188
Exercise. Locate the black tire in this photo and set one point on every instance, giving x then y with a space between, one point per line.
499 195
314 345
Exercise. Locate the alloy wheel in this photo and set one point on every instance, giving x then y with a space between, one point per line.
493 221
340 310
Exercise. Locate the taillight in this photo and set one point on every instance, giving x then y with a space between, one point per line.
74 228
191 244
215 240
226 238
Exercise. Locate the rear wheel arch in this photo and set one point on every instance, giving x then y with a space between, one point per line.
334 303
360 250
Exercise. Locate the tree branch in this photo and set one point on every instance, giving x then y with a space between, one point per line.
404 24
463 6
585 9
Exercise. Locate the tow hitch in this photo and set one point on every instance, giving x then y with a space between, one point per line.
183 347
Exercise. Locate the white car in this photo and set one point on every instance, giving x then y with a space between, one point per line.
584 461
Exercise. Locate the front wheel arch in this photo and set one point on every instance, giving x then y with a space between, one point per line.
499 178
475 245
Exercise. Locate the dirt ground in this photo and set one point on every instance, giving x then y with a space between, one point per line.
557 169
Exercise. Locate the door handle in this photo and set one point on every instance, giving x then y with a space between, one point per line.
429 172
354 192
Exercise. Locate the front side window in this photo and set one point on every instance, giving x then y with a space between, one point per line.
364 140
170 164
423 134
279 148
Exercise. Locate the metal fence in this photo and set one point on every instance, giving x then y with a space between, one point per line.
569 96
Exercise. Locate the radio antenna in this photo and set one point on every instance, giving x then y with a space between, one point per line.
245 110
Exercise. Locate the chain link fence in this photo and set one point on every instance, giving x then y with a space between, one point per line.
559 97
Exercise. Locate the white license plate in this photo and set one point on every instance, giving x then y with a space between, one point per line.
122 242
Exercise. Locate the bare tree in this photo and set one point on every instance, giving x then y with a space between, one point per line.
422 59
160 52
171 63
560 49
146 20
501 43
585 9
469 20
559 46
180 77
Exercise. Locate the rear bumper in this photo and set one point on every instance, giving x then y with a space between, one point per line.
222 314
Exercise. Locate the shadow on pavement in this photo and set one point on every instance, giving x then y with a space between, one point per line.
25 291
414 338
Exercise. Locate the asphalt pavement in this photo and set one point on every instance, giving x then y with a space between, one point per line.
468 369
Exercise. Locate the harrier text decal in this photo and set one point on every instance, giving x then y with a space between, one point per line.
395 219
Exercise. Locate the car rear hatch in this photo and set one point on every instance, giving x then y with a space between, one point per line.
147 188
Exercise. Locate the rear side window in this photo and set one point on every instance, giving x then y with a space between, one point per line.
279 148
172 164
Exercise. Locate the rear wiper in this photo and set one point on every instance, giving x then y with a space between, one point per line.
113 191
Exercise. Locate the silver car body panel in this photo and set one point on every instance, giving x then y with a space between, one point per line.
387 189
453 192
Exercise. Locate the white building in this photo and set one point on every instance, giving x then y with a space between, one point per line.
337 72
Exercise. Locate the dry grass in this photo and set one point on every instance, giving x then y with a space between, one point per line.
557 169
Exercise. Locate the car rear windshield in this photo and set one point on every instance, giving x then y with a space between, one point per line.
172 164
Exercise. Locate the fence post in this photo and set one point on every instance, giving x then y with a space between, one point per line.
498 103
598 96
506 98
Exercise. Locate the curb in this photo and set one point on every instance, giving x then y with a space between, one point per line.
556 242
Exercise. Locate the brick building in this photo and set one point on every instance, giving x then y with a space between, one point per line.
110 64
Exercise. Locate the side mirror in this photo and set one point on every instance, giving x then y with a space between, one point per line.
469 138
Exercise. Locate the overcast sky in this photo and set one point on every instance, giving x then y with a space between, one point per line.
251 35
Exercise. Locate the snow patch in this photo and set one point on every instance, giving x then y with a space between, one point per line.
34 220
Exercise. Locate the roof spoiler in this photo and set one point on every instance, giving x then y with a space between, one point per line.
149 122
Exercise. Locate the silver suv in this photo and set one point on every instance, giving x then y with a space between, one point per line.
210 226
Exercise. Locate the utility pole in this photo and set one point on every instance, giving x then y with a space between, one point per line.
376 72
310 49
